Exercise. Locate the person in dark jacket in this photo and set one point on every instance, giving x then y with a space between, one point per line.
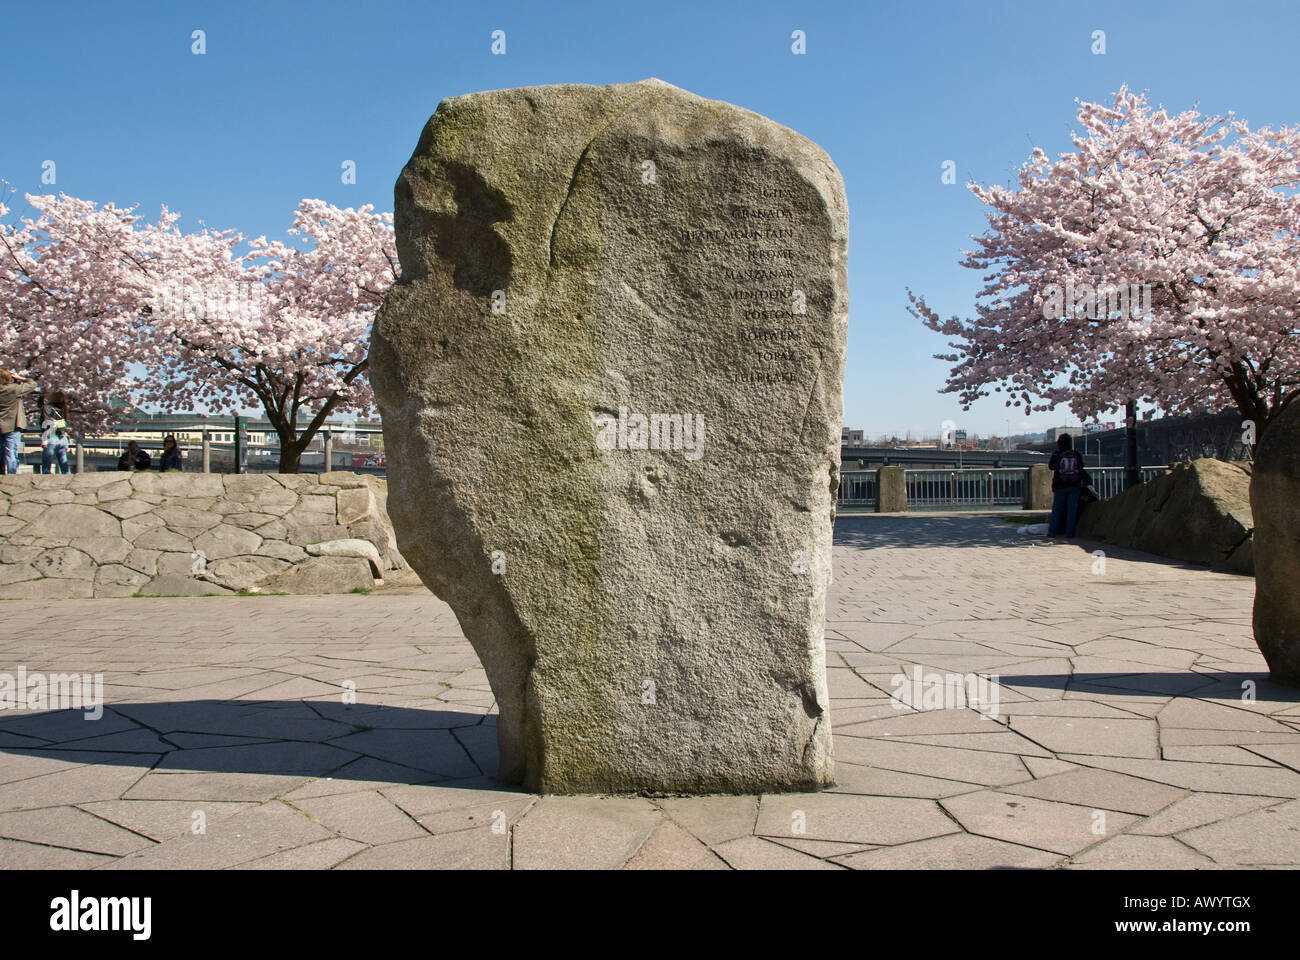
13 417
171 455
134 458
1067 486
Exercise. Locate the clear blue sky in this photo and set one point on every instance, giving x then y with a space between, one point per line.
287 91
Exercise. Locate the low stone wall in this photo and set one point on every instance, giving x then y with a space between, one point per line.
192 534
1197 511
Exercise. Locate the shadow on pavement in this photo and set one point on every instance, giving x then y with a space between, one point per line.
295 738
1197 686
866 531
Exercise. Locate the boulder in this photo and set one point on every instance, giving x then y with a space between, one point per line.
1275 499
350 548
645 292
381 535
323 575
1198 511
1242 559
241 573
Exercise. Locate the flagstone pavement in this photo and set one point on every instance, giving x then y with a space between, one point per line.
1134 727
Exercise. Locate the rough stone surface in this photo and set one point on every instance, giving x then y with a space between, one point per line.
357 504
350 547
241 573
226 540
1198 511
649 616
1275 499
64 562
174 585
71 520
323 575
185 534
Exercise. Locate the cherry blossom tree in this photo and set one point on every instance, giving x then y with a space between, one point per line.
286 325
1156 261
73 280
91 296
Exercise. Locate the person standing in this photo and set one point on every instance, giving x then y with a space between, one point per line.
134 458
54 433
1067 486
171 455
54 453
13 418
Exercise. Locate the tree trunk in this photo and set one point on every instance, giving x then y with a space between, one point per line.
291 454
1132 473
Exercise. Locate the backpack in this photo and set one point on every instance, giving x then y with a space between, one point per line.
1069 468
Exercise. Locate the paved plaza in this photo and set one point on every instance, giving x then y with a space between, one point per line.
1134 726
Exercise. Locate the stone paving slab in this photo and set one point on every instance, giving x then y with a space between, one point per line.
1135 726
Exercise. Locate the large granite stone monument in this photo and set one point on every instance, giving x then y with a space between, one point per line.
1275 502
610 380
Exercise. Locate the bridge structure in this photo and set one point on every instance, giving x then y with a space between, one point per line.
923 458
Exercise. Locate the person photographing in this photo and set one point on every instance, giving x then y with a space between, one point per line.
13 416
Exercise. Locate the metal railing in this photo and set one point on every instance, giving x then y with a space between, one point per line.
965 488
100 454
1108 481
857 489
971 487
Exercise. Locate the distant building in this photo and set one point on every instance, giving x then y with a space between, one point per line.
1054 432
852 438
